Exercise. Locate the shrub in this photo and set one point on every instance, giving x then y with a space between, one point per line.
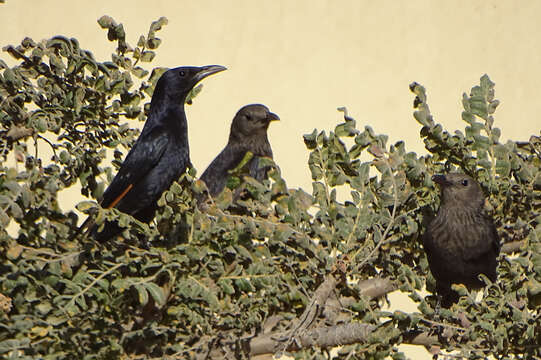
282 270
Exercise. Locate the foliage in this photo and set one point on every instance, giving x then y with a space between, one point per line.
213 278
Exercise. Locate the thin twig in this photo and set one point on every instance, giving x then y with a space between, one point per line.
391 221
59 257
432 322
314 308
260 221
143 48
297 279
326 181
249 276
36 148
48 142
355 224
91 285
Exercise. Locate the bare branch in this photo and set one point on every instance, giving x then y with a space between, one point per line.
377 287
511 247
312 311
420 338
324 337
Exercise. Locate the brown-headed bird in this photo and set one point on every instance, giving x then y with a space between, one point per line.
461 242
161 153
248 133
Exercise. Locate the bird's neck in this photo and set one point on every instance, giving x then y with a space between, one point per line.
170 115
256 143
458 212
451 201
161 100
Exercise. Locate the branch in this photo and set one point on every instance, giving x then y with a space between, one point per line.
332 336
48 142
371 288
299 337
244 219
415 337
324 337
82 292
391 221
511 247
312 311
377 287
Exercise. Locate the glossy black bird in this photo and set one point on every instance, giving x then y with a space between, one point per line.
461 242
160 154
248 133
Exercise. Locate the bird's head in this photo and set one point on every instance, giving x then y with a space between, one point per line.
176 83
252 120
459 188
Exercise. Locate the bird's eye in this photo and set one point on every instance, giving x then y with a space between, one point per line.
465 182
248 117
182 73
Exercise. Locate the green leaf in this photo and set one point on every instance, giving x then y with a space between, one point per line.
142 294
193 93
85 206
121 284
245 160
422 117
310 140
147 56
153 43
158 24
142 41
106 22
16 210
226 286
157 293
233 182
244 285
139 72
4 218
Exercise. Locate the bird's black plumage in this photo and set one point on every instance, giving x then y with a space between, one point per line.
160 154
461 242
248 133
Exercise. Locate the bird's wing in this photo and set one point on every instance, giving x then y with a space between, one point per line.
427 241
215 176
227 160
496 245
483 238
257 172
145 154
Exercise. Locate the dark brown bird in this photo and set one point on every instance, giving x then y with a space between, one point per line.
248 133
461 242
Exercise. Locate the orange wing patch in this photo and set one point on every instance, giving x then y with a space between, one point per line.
117 200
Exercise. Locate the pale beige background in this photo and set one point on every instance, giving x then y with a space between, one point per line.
305 58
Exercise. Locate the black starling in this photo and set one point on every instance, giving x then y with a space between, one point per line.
461 242
160 154
248 133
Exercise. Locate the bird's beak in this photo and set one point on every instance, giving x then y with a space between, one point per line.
441 180
272 117
208 70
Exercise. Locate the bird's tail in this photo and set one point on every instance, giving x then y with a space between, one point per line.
89 227
85 227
